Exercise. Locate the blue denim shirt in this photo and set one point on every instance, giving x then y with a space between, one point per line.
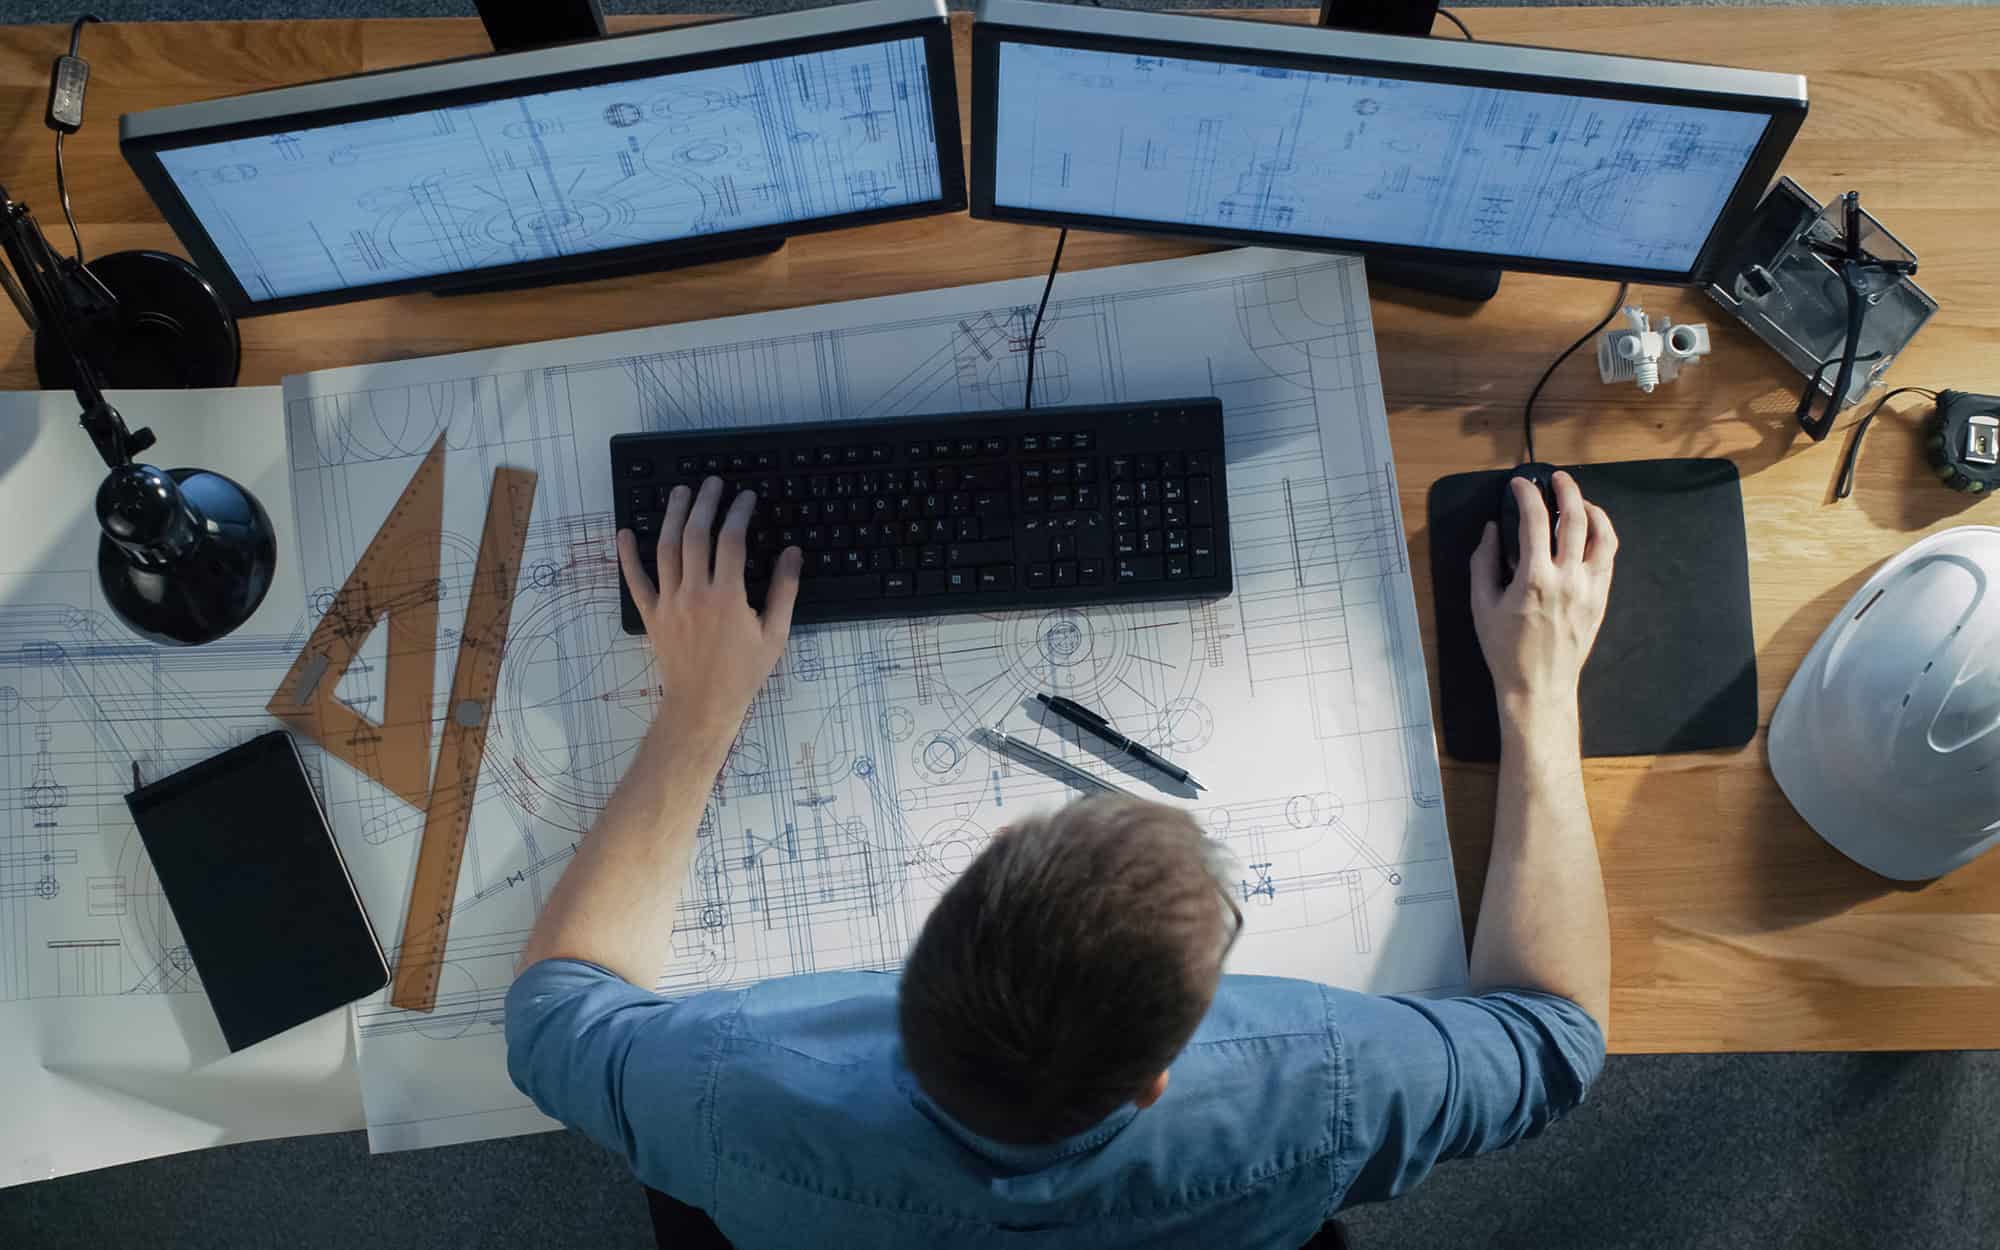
785 1111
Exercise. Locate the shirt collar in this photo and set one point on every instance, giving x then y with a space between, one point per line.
1005 1156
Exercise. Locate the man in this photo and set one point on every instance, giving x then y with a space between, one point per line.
1061 1064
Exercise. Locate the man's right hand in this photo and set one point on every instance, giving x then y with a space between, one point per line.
1537 630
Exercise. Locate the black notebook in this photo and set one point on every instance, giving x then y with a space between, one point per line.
1675 666
242 851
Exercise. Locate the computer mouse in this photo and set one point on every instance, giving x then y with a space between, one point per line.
1543 476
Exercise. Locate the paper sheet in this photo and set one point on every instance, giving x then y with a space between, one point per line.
108 1049
856 794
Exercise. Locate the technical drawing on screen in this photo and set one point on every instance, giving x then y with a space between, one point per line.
1238 146
568 172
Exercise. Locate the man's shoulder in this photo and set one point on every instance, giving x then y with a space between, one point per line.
1250 1006
832 1017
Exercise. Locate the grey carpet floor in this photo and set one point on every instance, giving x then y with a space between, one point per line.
1744 1152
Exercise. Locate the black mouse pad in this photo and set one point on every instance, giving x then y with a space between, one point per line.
1675 666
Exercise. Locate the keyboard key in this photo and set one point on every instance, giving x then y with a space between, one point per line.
1121 468
1055 442
1199 506
1040 577
1125 518
930 583
1033 475
1063 547
1084 470
1149 518
939 531
1201 550
906 557
639 467
853 561
826 457
1173 464
1149 492
1139 569
944 477
1177 567
1149 542
881 560
1200 462
824 563
996 577
916 450
1060 499
1177 542
993 445
1082 440
1146 467
686 466
765 459
930 557
942 448
958 581
1033 501
978 553
880 453
898 584
1174 514
1173 490
853 453
958 503
977 477
1066 573
642 524
1090 572
840 589
968 529
1031 443
1123 495
1058 471
968 448
1128 543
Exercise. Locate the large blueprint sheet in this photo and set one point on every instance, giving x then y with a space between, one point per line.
856 793
108 1049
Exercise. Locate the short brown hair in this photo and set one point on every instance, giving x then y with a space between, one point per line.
1065 969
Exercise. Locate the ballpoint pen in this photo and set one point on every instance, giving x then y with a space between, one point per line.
1098 727
1011 745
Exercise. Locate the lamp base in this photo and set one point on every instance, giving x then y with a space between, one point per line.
199 592
171 330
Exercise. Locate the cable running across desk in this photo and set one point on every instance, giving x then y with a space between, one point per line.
1035 332
62 183
1528 411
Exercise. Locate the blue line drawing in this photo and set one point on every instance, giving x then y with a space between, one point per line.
569 172
1433 164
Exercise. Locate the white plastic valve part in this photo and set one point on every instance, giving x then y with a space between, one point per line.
1648 356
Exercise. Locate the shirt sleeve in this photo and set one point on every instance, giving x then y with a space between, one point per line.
589 1048
1433 1079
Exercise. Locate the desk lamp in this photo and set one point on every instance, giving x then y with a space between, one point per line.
186 554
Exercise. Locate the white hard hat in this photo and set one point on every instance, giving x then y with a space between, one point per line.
1888 739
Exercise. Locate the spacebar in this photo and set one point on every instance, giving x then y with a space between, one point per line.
840 589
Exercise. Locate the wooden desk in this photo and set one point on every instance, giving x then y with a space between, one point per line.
1733 926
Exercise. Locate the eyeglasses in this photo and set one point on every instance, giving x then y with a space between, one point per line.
1864 278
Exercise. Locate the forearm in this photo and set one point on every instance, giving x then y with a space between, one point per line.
1542 918
615 904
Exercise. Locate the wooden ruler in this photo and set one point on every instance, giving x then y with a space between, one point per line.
394 585
475 683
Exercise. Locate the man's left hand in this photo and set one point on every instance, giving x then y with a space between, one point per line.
714 651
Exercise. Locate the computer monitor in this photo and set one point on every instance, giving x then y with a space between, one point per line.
1423 149
607 155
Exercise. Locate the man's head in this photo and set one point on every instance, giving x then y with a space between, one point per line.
1056 980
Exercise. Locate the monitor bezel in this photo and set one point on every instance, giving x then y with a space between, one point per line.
142 151
1785 115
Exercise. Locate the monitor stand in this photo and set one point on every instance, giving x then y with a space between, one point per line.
1409 17
515 26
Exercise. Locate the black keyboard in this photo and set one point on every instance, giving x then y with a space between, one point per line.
967 512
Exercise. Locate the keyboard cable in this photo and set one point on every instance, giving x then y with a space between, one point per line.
1035 334
1528 411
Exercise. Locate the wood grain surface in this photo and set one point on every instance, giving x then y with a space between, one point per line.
1733 926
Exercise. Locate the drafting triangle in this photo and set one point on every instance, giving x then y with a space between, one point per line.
394 586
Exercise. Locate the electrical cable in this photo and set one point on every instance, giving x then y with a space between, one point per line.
1452 17
1845 483
1528 410
1035 334
62 183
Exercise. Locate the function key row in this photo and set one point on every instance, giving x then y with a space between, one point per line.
851 455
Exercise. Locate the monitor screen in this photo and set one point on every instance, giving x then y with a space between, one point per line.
1385 160
1474 154
567 172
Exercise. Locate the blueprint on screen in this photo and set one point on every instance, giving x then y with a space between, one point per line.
856 792
1424 164
568 172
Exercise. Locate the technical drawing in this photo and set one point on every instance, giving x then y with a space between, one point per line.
81 703
568 172
856 792
1431 164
